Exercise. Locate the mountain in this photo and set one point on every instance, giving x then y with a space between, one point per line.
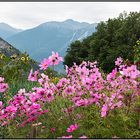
7 49
7 31
55 36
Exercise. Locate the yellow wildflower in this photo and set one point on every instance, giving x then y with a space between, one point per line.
1 56
23 58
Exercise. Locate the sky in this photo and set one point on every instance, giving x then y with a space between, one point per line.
25 15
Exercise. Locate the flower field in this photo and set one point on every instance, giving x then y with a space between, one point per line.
86 103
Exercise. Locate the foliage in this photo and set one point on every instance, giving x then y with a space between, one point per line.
137 53
113 38
84 104
16 64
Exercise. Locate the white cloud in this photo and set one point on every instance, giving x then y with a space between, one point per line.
30 14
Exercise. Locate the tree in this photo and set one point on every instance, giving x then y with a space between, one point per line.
113 38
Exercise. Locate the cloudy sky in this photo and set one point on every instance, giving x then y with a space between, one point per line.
30 14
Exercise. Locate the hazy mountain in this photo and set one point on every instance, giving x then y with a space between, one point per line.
7 31
40 41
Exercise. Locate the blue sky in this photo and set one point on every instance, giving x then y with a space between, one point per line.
30 14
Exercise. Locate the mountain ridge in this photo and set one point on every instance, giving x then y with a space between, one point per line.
6 30
55 36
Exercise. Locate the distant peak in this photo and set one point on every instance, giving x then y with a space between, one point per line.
7 26
69 20
4 24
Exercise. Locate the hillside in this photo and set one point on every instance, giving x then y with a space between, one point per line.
7 49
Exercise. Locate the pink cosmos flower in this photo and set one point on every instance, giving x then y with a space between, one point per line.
82 71
22 91
33 76
49 95
87 82
3 87
83 137
104 110
34 106
11 109
111 75
115 137
33 97
4 123
44 76
44 64
69 90
82 102
119 104
62 82
78 116
72 127
1 79
52 130
95 96
54 59
44 79
131 72
118 61
67 137
37 124
75 98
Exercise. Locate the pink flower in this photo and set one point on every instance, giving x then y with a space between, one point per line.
78 116
1 79
87 82
82 71
33 76
118 61
49 95
115 137
82 102
52 130
119 104
43 80
130 72
4 123
33 97
69 90
44 64
72 127
11 109
104 110
95 96
83 137
111 75
54 59
37 124
67 137
35 106
3 87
